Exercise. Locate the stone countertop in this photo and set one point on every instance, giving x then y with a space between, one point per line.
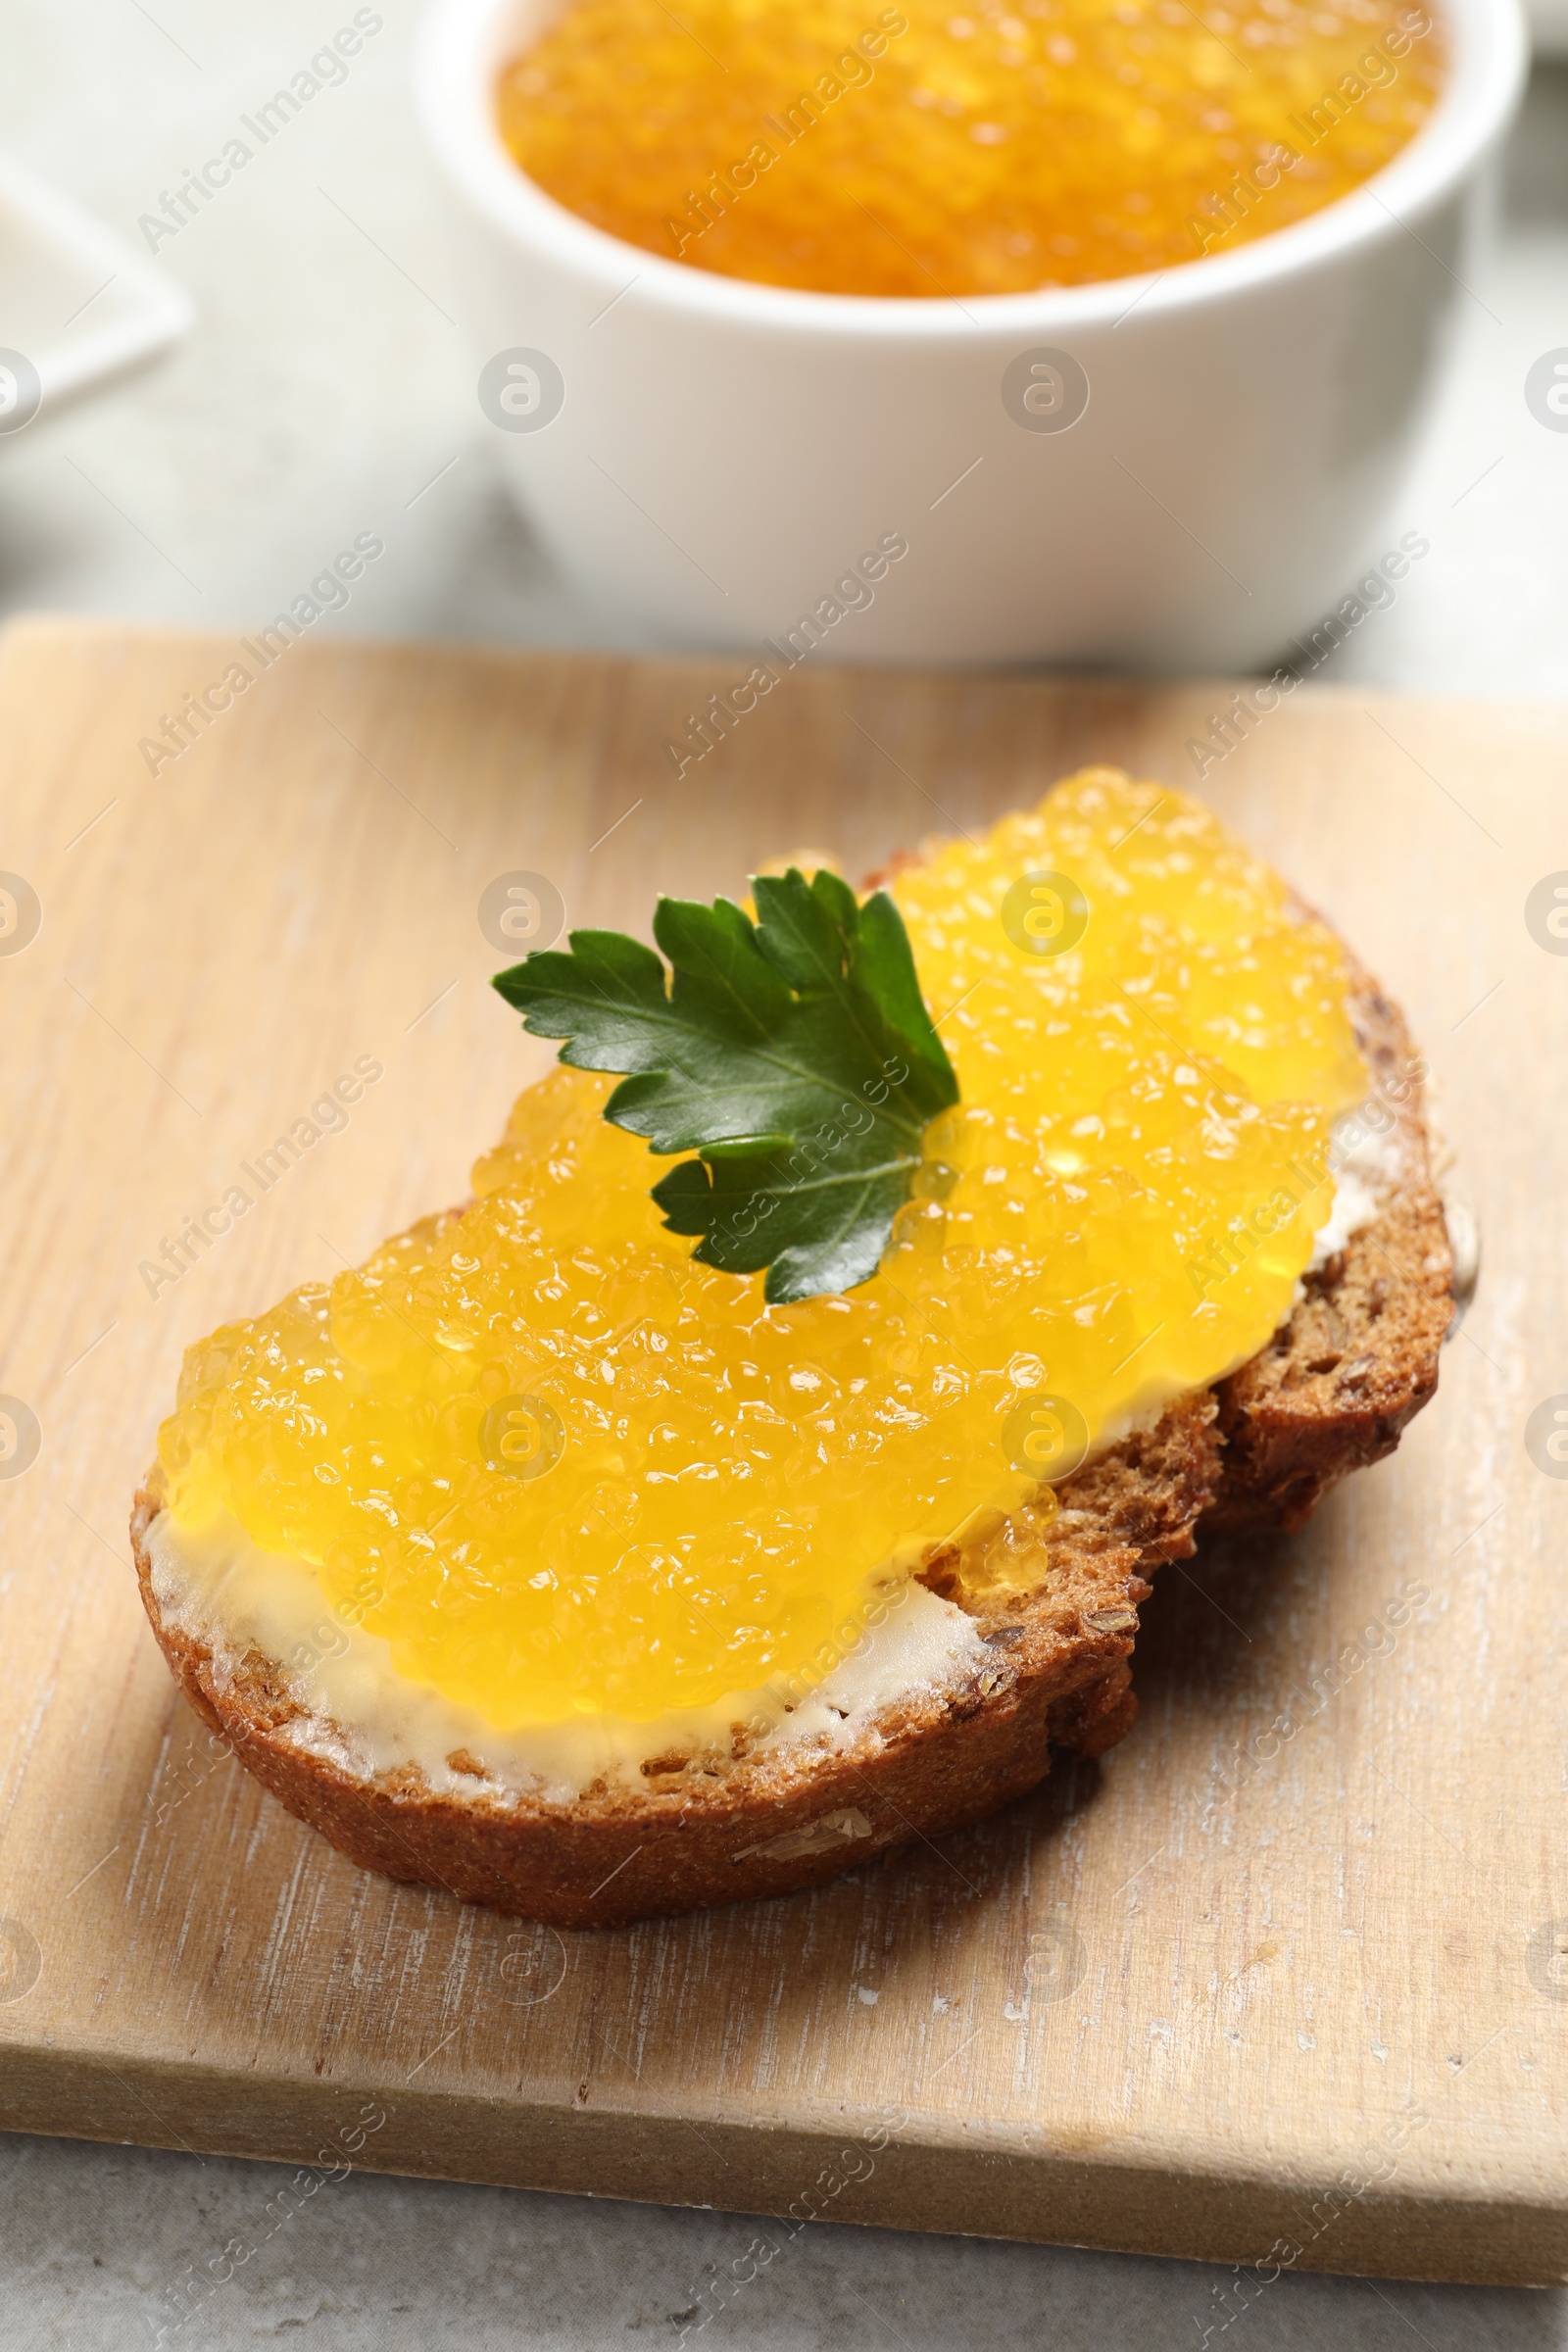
326 392
98 2246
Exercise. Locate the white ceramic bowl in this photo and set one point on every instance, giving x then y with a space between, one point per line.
723 452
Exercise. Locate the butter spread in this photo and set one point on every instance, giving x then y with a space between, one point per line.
359 1713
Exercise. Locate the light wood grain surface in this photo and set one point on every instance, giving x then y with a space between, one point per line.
1306 2012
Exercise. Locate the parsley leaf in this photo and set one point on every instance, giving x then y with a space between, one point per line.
793 1055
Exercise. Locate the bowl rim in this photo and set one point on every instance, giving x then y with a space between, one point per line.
463 43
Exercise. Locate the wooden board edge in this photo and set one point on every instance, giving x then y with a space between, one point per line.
789 2172
27 627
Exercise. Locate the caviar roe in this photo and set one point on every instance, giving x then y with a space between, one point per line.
983 149
711 1483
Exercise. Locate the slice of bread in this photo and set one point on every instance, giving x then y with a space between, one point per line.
1053 1602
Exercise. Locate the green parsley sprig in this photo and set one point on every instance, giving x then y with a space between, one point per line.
793 1055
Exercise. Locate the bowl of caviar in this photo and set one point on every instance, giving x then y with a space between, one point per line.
1088 331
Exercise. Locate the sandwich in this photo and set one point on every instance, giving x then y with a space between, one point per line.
1063 1198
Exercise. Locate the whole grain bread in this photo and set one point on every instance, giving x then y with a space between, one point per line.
1055 1600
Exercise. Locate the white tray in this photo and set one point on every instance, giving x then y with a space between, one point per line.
76 301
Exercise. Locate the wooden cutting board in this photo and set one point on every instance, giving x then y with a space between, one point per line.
1316 2011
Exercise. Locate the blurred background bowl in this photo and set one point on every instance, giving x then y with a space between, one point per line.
708 457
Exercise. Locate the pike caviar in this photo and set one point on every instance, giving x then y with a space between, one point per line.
940 148
560 1467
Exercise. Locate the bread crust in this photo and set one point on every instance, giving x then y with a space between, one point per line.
721 1829
1338 1384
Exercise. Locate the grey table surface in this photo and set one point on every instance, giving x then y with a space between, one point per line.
324 391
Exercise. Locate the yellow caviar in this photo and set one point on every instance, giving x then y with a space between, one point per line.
939 148
562 1468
